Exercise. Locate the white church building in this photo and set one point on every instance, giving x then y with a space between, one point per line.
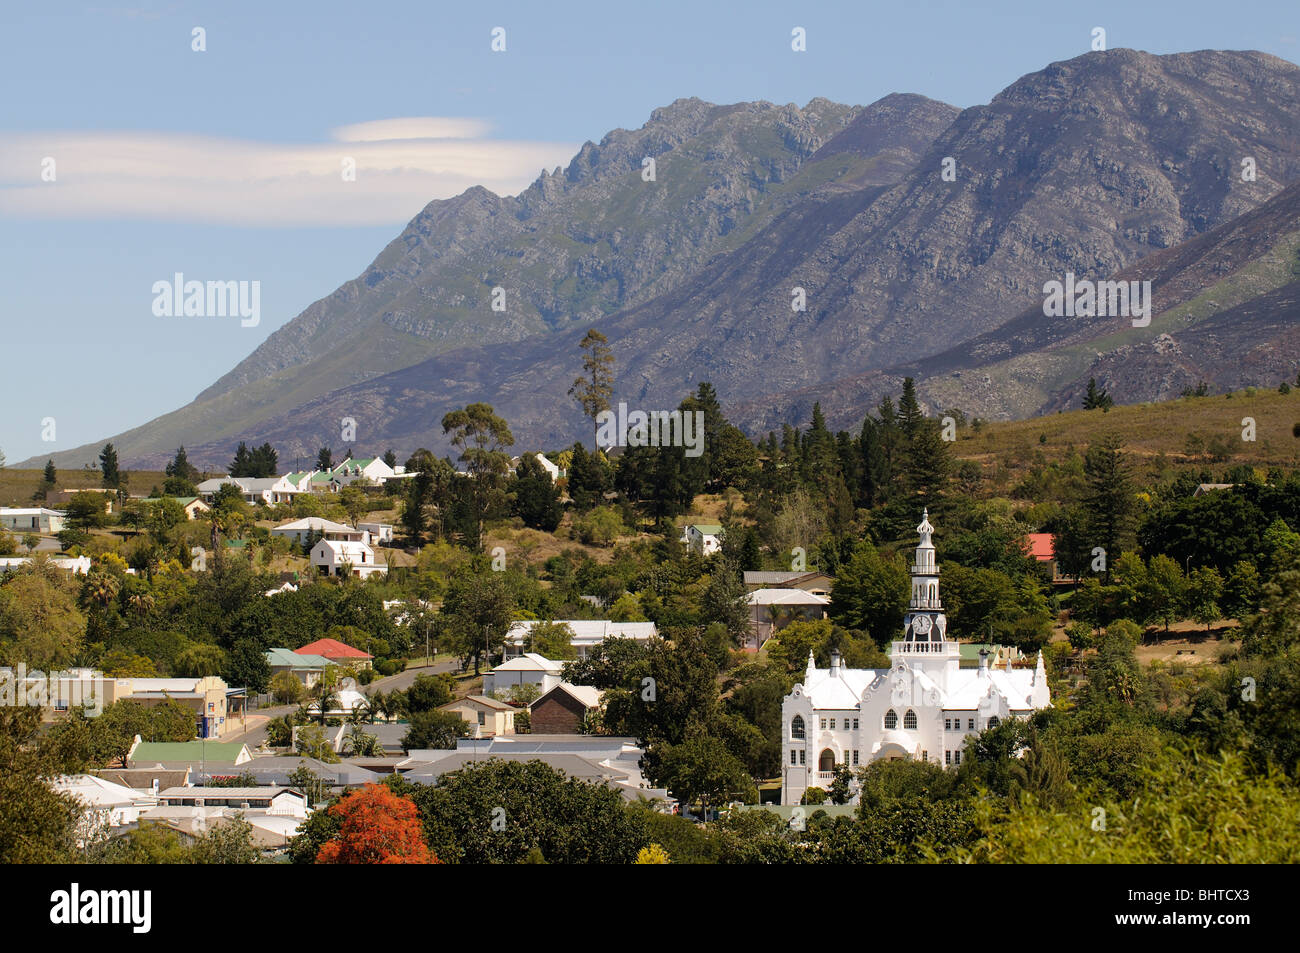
924 706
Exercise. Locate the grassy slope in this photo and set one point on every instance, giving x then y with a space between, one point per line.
17 486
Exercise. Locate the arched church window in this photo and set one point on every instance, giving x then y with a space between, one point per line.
796 727
994 722
909 720
891 719
826 761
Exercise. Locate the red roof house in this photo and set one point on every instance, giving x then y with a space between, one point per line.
1041 546
336 651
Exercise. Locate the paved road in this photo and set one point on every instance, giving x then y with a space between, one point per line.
255 733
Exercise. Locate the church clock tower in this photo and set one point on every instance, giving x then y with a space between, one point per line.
925 621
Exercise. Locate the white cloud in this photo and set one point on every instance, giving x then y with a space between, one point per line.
401 165
415 127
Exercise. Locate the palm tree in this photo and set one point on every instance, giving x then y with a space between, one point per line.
141 602
103 587
325 695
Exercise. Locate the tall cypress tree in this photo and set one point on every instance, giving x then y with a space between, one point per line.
108 466
1108 504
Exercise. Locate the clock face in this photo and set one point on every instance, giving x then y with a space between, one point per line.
921 624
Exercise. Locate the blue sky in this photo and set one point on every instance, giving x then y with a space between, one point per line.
223 164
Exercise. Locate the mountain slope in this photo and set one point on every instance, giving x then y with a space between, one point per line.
1087 166
1224 313
576 246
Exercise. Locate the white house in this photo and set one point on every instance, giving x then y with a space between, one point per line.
271 800
369 469
924 706
378 534
105 804
253 489
527 669
703 538
346 558
31 519
587 634
553 471
299 530
78 565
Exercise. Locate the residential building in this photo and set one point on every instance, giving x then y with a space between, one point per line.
378 534
814 581
268 490
316 527
486 716
703 538
215 705
564 709
923 707
281 769
31 519
308 669
109 494
150 780
1204 488
275 814
271 800
1042 547
587 634
217 708
193 506
344 558
78 565
366 470
144 754
337 652
553 471
771 610
527 669
105 804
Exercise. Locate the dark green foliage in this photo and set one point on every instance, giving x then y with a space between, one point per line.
258 463
434 729
535 498
499 811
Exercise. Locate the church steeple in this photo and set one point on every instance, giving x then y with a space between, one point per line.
925 621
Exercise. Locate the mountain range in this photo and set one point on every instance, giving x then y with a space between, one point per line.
920 237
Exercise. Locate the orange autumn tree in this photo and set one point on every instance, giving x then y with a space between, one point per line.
378 827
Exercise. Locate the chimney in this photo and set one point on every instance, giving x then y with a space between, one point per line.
984 663
835 661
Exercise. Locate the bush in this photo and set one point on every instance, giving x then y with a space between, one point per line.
814 796
286 689
601 527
